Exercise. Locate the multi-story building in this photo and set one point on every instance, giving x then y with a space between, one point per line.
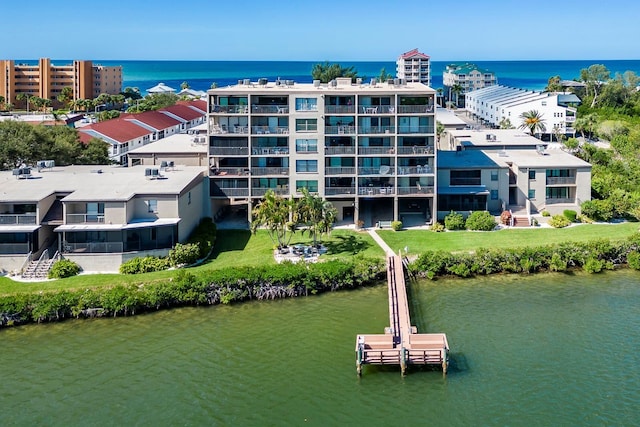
368 148
98 216
495 105
468 77
45 80
414 66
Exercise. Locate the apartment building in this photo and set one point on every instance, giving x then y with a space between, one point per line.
496 170
414 67
368 148
46 80
468 77
491 105
98 216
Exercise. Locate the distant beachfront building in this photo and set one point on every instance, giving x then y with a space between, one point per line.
161 88
495 104
468 77
45 80
369 148
414 66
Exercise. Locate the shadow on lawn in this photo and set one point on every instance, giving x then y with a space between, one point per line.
230 240
346 244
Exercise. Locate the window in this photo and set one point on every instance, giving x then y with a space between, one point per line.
465 177
494 194
306 145
306 125
310 185
152 205
306 104
494 175
189 198
532 174
532 194
306 166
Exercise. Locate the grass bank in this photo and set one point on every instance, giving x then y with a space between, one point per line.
419 241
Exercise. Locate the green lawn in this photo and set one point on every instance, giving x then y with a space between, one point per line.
419 241
233 248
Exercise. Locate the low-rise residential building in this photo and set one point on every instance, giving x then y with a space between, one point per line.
98 216
414 67
160 125
497 105
507 169
123 135
186 115
189 149
46 80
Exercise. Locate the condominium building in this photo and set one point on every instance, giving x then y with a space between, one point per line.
45 80
468 77
368 148
414 66
496 104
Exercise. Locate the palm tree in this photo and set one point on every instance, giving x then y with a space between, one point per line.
24 97
440 91
457 90
274 212
184 85
533 121
317 213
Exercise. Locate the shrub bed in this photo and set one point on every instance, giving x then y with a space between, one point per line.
454 221
592 257
481 221
213 287
63 268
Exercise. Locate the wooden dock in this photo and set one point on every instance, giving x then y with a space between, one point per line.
401 344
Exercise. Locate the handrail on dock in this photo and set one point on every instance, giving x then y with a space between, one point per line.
401 344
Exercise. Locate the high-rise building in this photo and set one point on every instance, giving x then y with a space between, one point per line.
414 66
45 80
366 147
466 77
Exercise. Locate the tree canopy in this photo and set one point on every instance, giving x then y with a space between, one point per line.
154 101
325 72
533 121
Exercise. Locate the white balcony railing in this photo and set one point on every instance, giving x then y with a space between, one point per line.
85 218
334 191
18 219
341 170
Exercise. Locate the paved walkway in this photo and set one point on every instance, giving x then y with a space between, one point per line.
379 241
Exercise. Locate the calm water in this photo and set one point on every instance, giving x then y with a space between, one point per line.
527 351
200 74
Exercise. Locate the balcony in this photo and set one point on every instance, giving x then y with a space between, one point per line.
340 170
376 150
217 129
230 171
376 191
565 180
339 150
415 150
415 109
380 170
558 200
339 109
270 109
230 109
270 151
267 130
85 218
418 189
377 109
228 151
339 130
338 191
230 192
415 129
18 219
414 170
261 191
14 248
376 129
570 119
269 171
93 247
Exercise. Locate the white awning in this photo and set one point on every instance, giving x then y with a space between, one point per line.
160 222
18 228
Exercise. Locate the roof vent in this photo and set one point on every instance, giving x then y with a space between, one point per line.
45 164
22 173
152 173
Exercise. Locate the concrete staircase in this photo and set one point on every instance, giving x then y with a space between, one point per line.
39 269
521 221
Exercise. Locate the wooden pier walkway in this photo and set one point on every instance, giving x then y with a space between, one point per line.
401 344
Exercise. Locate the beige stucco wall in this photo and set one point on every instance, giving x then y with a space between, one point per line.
138 208
191 213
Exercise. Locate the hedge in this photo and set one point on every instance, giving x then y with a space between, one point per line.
185 289
593 257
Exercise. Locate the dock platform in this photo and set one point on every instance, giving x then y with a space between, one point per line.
401 344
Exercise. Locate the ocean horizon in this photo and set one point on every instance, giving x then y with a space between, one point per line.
525 74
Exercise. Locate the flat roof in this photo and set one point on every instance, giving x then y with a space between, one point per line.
468 159
553 158
493 137
341 87
448 117
85 183
179 143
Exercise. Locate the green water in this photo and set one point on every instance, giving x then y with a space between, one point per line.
527 351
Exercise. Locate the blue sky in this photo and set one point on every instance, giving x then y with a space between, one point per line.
321 30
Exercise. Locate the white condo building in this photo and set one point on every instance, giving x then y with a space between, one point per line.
368 148
414 66
469 77
493 104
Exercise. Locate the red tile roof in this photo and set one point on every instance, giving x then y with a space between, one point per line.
84 137
183 111
155 119
414 54
119 129
196 103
